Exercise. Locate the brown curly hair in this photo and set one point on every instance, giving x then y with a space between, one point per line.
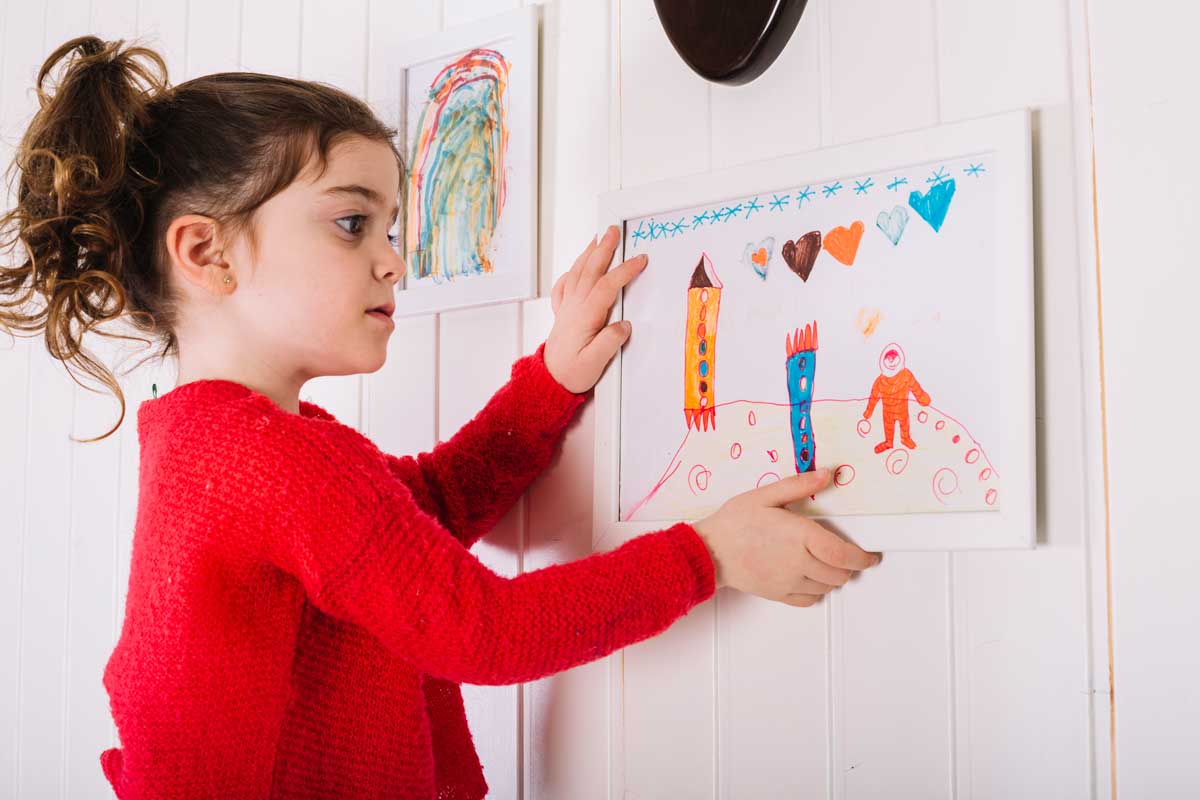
116 153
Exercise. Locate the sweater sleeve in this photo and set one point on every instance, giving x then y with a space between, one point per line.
366 553
471 480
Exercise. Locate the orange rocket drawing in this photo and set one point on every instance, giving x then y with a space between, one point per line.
700 346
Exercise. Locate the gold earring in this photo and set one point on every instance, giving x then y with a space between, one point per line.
228 279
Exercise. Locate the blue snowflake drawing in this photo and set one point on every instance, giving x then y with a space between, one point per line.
639 232
831 190
897 183
751 207
700 219
939 176
861 187
777 202
975 169
801 196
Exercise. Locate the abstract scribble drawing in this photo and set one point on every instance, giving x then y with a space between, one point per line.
700 346
892 388
456 182
801 349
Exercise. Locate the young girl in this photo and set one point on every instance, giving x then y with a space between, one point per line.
302 607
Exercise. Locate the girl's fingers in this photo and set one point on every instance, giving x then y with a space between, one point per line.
571 277
598 260
617 278
556 294
600 350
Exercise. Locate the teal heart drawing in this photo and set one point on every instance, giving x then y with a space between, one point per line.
892 224
758 256
933 205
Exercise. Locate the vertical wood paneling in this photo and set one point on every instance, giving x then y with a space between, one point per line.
271 38
476 352
891 635
993 57
21 27
772 682
667 701
565 716
1147 194
884 70
333 50
213 37
1016 650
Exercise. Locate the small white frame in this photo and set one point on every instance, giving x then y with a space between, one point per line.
1010 526
516 277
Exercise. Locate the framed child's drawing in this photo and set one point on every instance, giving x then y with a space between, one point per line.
469 124
867 308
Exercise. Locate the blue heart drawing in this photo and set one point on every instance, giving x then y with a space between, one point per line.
758 256
932 205
892 224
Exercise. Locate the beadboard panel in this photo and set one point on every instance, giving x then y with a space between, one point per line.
965 675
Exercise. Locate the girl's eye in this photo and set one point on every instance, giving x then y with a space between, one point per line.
393 240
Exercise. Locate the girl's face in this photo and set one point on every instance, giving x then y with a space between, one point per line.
325 257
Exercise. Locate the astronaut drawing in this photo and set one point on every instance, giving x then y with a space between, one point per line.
891 390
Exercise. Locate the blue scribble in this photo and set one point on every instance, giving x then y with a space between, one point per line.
975 169
803 195
751 207
699 219
777 202
832 189
638 233
861 187
897 183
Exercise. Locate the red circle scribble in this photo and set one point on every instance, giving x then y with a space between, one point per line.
922 416
698 478
956 438
735 451
764 477
896 461
972 456
864 427
990 497
773 455
843 475
751 418
985 473
945 482
941 423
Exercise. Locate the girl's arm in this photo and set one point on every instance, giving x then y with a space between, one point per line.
366 553
471 480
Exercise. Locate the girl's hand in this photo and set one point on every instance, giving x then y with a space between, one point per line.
580 344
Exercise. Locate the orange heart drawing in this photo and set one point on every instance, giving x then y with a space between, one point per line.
842 242
760 257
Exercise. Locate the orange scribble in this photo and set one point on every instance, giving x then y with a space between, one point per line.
868 321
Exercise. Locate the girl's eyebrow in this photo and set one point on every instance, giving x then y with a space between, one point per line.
366 191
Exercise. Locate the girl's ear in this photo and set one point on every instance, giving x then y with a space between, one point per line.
195 250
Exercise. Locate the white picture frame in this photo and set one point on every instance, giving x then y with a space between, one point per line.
511 251
1010 525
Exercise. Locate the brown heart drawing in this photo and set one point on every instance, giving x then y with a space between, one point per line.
801 254
842 242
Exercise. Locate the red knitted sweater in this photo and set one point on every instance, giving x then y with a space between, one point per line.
302 607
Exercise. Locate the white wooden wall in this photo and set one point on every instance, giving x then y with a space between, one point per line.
935 675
